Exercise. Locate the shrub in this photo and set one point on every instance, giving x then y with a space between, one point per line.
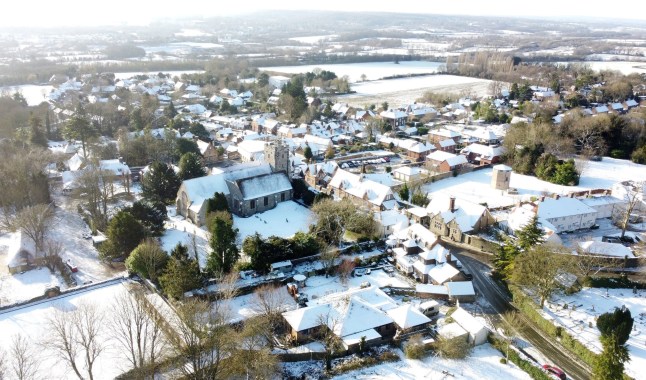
456 348
414 348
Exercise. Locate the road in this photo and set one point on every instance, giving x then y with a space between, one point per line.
500 302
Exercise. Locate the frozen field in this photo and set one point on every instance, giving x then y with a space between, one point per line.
407 90
372 70
31 323
592 302
475 186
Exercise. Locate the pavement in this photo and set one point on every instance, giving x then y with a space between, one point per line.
500 302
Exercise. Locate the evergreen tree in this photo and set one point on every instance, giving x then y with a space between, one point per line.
404 193
183 146
615 328
151 214
48 125
147 260
170 111
160 183
504 259
566 174
79 128
190 167
182 273
223 243
124 233
307 153
329 153
36 135
217 203
530 235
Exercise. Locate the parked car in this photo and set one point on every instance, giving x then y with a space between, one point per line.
368 271
359 272
555 371
71 265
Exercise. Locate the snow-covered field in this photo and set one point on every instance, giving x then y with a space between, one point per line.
483 363
372 70
31 323
475 186
592 302
286 219
34 94
314 39
407 90
623 66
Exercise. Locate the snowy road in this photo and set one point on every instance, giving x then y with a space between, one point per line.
501 302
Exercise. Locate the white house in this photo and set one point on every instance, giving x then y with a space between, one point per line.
566 214
477 331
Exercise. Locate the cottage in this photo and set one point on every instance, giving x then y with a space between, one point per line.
408 318
208 151
483 154
451 217
443 162
360 190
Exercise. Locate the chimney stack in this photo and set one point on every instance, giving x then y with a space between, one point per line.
452 204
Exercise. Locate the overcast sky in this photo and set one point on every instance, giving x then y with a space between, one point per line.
29 13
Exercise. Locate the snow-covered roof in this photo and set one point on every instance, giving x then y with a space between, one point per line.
465 213
431 289
452 330
407 316
360 187
76 162
200 189
446 143
450 158
460 288
442 273
502 168
418 231
115 166
485 151
467 321
437 253
606 249
264 185
393 114
307 317
21 250
556 208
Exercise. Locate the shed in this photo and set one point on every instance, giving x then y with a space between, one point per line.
461 291
282 266
477 331
453 331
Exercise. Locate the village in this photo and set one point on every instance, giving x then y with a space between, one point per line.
275 228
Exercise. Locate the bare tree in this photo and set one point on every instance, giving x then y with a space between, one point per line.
35 222
135 326
329 255
328 324
538 269
495 88
52 252
205 341
253 357
344 270
269 302
76 337
3 365
96 187
24 364
633 196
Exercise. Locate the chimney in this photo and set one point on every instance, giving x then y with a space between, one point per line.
452 203
543 198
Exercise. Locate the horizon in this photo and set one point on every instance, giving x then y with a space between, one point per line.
74 13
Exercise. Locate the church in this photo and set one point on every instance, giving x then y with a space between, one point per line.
250 187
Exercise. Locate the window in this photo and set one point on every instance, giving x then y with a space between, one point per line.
252 204
266 201
282 197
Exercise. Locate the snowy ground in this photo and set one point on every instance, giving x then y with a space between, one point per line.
180 230
592 302
25 286
284 220
476 186
31 323
483 363
406 90
372 70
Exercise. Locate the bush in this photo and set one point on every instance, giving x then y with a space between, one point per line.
414 348
456 348
535 372
503 361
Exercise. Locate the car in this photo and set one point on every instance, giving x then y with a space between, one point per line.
359 272
555 371
594 227
406 162
368 271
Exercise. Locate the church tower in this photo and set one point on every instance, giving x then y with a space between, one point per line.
277 156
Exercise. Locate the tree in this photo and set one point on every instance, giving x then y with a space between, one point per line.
36 134
182 273
269 302
148 260
414 348
75 336
404 192
95 186
160 183
345 270
190 167
538 269
253 359
331 219
419 198
183 146
307 153
35 223
78 127
329 153
615 328
530 235
23 363
124 233
505 257
456 348
223 243
135 325
217 203
170 111
566 174
51 253
632 197
151 214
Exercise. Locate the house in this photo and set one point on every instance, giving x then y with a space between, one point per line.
443 162
391 221
477 331
453 331
447 145
566 214
483 136
408 318
419 151
21 253
360 190
251 150
483 154
461 291
395 118
320 174
208 151
606 206
437 135
523 214
452 218
278 81
432 291
250 187
354 315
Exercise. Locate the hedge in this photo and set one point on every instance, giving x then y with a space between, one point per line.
527 306
533 371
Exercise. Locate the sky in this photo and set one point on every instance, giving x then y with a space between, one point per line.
45 13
